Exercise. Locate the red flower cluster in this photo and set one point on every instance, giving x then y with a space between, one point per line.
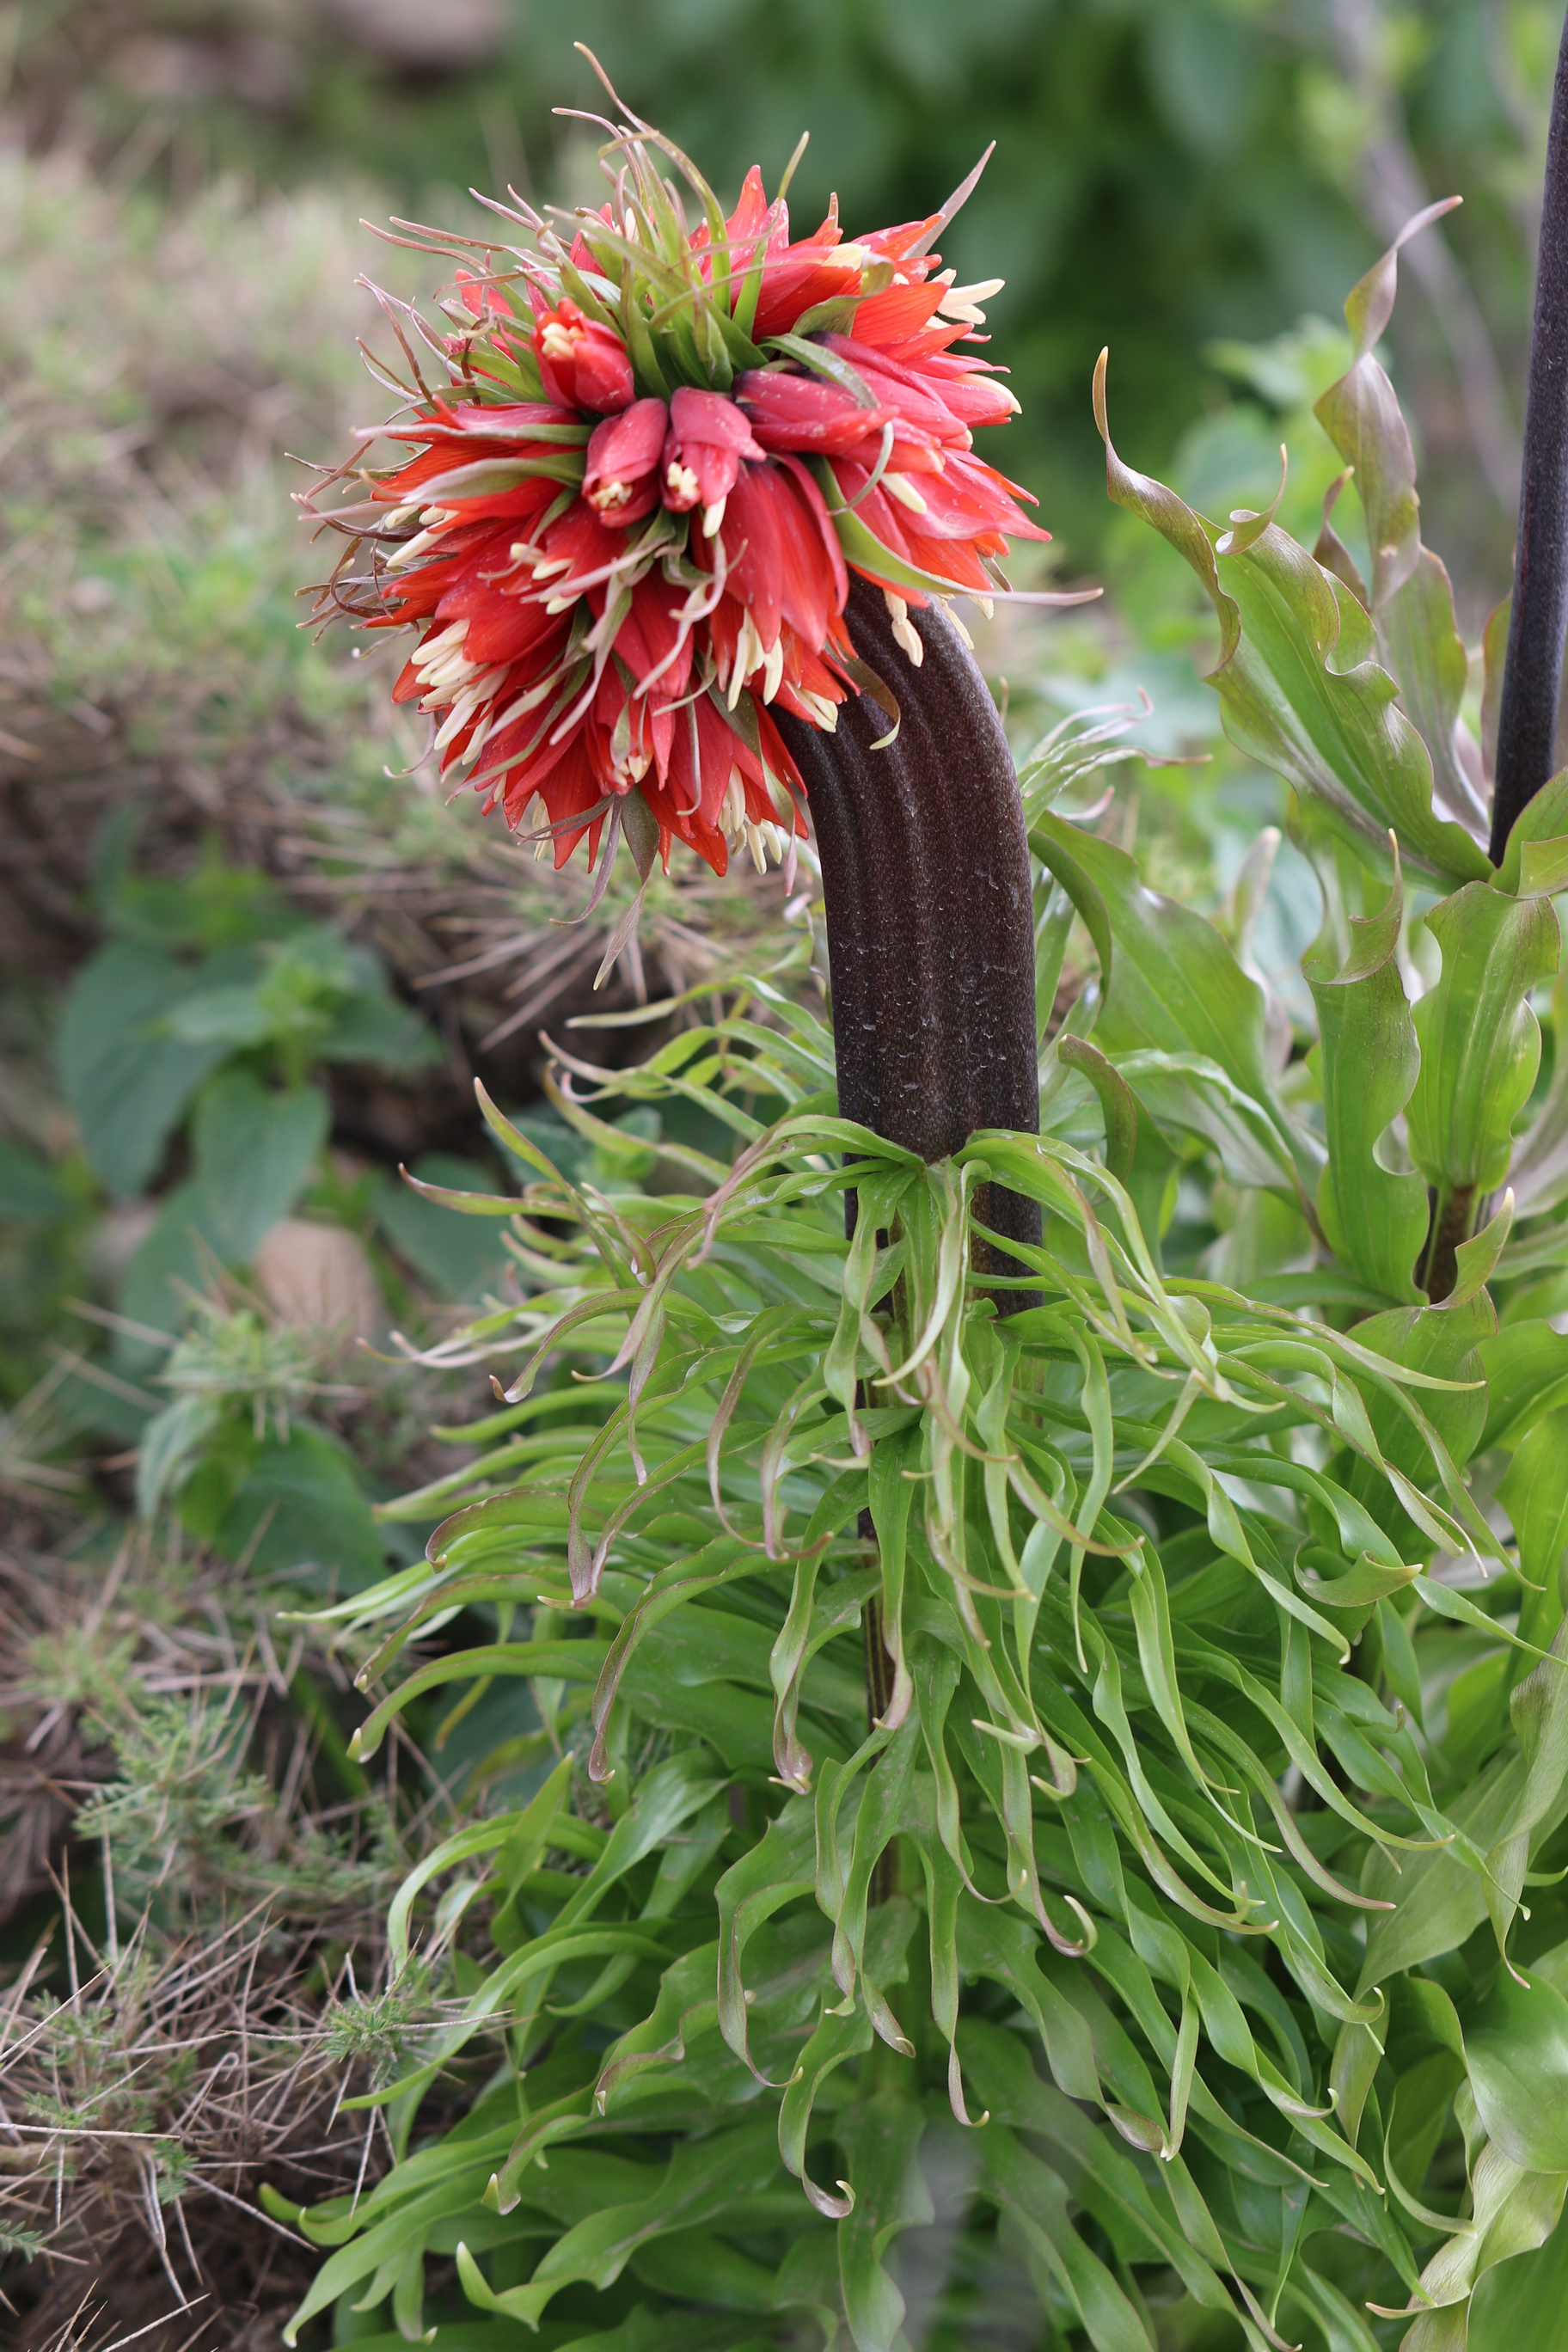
619 573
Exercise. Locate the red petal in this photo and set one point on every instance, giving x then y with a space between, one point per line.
625 448
792 285
708 416
799 412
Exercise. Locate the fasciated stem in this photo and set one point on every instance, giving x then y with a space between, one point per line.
1533 671
925 874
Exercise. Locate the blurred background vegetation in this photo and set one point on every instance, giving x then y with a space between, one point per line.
1169 173
251 963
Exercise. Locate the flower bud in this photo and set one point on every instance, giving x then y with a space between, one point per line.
702 461
584 365
621 478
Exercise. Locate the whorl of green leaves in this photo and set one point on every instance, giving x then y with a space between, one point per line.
1135 1785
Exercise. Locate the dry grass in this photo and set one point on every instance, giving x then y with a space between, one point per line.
192 1910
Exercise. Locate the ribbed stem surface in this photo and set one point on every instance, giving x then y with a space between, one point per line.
925 871
1532 675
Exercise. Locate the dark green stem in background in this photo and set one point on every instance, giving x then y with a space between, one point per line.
1532 675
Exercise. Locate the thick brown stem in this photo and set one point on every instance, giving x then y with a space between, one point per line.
1452 1216
925 875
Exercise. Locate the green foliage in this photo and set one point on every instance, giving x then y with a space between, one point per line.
154 1043
142 1029
1185 1907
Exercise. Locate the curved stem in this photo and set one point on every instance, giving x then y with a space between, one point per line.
1532 674
925 873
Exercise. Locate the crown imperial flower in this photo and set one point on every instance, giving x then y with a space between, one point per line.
620 478
582 365
708 438
628 522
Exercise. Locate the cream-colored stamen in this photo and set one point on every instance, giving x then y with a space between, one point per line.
962 302
904 490
412 549
748 657
732 819
905 632
822 713
452 635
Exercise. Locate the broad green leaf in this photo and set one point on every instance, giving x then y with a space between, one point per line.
1536 857
255 1149
1035 2196
568 1661
372 1026
1534 1494
881 2139
163 1271
1000 1946
1539 1711
126 1083
171 1444
30 1192
777 1871
1018 2097
702 2180
1373 1218
467 2335
1479 1040
1190 1091
1519 2305
1517 2053
521 1835
1526 1365
228 1018
1438 1901
1443 1341
289 1506
458 1256
1170 979
1513 2211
